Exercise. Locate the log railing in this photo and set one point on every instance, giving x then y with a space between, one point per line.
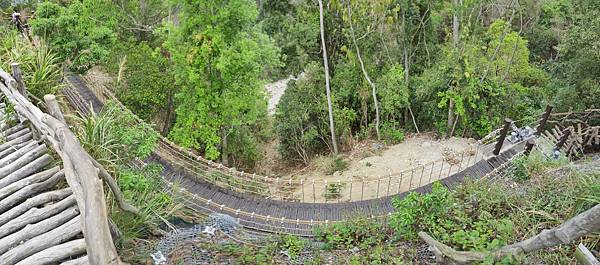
80 172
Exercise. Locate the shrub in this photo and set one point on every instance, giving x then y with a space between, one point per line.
114 138
359 232
390 133
441 214
331 164
292 244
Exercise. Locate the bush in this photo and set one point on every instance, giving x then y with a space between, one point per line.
361 232
331 164
441 214
114 138
390 134
302 119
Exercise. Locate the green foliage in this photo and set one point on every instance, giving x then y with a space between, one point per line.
143 189
334 191
359 232
391 133
40 67
74 32
469 226
114 138
301 119
331 164
147 81
292 244
219 58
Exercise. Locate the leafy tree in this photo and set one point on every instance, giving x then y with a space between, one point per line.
301 120
74 32
147 82
219 55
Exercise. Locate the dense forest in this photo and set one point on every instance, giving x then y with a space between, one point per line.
370 71
197 69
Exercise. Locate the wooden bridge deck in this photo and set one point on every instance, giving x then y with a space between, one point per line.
39 218
272 215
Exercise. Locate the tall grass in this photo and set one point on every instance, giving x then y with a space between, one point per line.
40 65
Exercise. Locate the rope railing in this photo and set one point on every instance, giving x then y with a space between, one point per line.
313 190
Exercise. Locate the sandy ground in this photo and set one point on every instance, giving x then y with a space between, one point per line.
374 173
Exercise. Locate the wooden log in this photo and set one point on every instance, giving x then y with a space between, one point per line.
576 227
114 187
53 108
17 134
35 215
23 160
38 200
26 192
56 253
79 261
59 234
80 173
584 256
544 119
16 72
17 152
35 178
13 129
563 139
14 148
529 146
13 142
502 136
82 176
30 168
32 230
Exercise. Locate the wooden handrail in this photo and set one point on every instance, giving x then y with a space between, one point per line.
80 173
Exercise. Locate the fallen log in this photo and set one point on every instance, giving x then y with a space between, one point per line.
35 215
33 230
26 192
56 253
38 200
576 227
38 177
32 167
60 234
23 160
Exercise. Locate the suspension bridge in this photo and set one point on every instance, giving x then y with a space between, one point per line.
43 221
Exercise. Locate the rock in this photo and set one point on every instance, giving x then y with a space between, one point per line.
426 144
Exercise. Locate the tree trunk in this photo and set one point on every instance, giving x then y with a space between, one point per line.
576 227
455 42
364 71
326 66
224 155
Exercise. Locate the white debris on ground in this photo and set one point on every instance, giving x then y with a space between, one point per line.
276 90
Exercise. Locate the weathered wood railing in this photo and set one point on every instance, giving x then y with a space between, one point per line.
80 171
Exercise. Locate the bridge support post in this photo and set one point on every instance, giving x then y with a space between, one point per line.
502 136
544 119
563 139
16 72
53 108
528 147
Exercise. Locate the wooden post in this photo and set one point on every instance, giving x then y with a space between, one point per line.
502 136
529 146
54 108
16 72
544 119
563 139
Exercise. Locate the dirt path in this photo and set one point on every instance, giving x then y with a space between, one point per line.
410 164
